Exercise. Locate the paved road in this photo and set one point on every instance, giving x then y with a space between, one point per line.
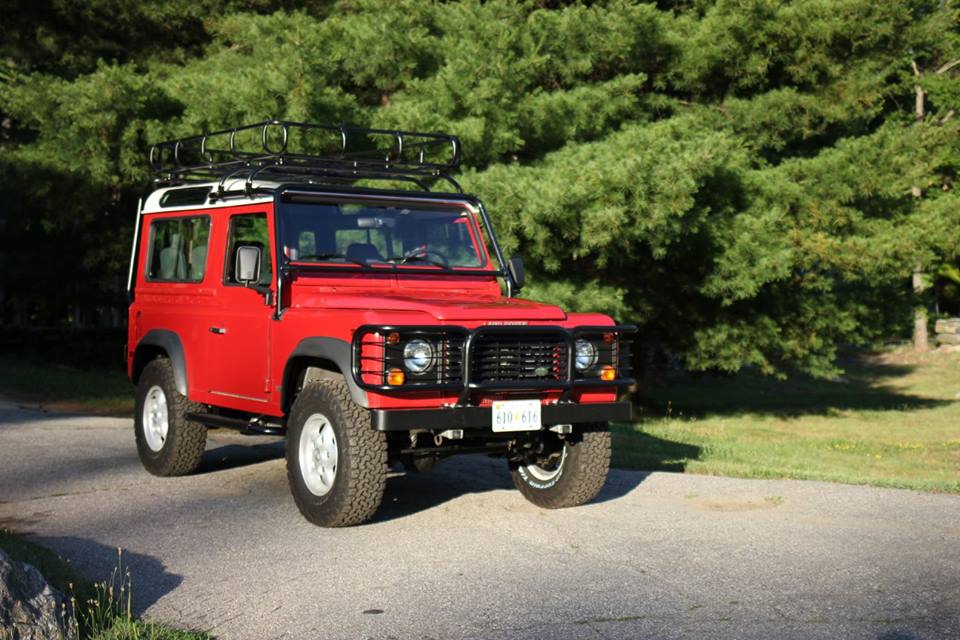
459 554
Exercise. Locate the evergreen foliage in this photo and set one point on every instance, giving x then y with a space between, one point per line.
747 180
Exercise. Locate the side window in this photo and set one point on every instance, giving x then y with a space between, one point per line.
248 230
178 249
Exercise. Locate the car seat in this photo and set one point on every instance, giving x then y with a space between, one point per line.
364 251
172 264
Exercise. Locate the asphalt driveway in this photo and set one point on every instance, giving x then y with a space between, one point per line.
459 554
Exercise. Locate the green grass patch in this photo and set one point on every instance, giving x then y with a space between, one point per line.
892 420
63 387
102 609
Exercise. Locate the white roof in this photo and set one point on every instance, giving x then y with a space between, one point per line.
152 204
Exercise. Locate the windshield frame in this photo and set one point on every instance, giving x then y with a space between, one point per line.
299 194
468 250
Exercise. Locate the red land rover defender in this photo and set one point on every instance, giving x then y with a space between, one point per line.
283 281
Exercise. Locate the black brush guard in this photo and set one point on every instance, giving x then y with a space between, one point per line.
458 372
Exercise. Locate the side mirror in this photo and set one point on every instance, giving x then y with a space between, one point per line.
247 266
517 272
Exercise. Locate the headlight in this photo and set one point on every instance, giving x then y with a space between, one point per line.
417 356
586 354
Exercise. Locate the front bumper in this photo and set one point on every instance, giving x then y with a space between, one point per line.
481 417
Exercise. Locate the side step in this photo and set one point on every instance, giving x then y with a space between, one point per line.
248 427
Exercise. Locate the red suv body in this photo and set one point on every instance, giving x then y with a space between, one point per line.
359 323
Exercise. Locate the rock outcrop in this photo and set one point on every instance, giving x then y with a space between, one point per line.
30 609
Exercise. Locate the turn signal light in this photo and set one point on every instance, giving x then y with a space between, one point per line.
608 338
393 338
395 377
608 373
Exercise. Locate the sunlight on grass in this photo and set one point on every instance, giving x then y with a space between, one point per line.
893 420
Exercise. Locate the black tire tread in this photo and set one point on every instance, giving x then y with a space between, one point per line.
366 448
582 482
189 439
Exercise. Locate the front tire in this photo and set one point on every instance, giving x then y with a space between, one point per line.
336 461
566 472
168 444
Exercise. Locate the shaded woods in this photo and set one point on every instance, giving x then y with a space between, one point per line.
753 182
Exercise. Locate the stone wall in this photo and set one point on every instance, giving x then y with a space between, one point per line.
948 331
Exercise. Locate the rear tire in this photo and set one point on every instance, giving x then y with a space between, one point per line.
336 461
572 475
168 443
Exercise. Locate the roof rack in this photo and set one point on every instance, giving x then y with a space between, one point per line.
282 151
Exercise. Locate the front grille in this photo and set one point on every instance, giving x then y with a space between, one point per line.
450 360
504 358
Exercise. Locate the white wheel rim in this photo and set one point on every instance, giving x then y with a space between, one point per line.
318 454
545 475
155 418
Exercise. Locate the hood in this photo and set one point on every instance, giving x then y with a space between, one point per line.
442 307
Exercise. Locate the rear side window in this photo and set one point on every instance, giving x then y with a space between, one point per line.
178 249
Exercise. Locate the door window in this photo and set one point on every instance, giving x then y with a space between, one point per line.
248 230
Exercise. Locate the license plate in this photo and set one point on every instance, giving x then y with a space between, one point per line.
516 415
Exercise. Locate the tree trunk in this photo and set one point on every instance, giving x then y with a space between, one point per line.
921 340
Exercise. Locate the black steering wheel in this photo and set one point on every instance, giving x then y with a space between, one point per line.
423 252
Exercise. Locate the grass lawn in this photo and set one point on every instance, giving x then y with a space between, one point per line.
103 609
893 420
65 388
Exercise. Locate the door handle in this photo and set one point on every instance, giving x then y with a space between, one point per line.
218 330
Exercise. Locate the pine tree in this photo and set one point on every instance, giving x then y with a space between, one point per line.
755 183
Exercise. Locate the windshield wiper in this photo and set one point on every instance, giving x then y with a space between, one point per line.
331 256
419 258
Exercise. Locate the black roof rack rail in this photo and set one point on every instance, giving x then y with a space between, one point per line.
283 151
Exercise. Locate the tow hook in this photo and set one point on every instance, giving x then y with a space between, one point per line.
449 434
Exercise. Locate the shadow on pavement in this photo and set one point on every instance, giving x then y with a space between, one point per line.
149 578
221 456
411 493
897 634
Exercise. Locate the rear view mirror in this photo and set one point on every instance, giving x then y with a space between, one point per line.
378 222
247 265
517 272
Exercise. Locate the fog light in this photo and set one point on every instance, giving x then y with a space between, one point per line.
608 373
395 377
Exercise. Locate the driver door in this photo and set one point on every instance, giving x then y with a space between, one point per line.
239 333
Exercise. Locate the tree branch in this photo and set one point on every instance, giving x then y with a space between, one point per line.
919 110
944 68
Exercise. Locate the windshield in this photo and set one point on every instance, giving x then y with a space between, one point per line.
381 235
